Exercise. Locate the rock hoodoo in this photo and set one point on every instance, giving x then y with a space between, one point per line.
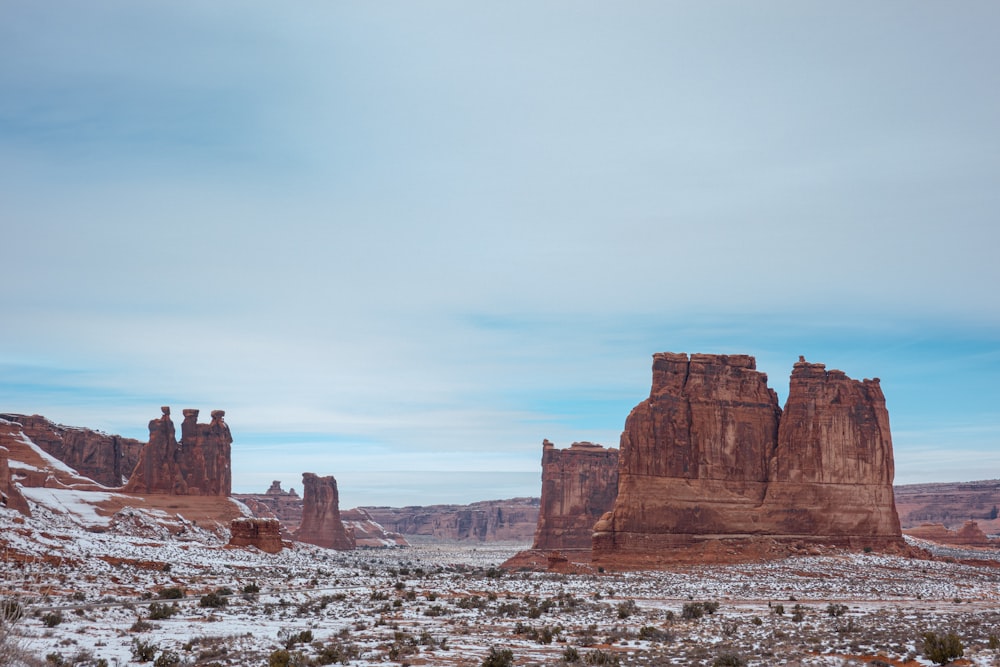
196 465
579 484
265 534
710 462
106 459
321 521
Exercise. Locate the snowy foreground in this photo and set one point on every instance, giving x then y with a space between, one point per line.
101 596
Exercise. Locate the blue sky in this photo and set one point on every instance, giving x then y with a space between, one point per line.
402 243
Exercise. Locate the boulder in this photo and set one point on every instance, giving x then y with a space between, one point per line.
321 522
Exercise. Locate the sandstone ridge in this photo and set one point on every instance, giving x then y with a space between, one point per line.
710 459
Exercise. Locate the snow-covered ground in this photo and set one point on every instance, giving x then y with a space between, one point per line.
88 586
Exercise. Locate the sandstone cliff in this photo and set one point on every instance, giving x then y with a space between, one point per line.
10 494
709 456
950 504
969 535
321 521
579 485
197 465
275 503
512 520
368 532
106 459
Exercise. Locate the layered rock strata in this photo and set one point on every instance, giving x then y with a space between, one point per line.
368 533
321 521
106 459
950 503
710 456
579 484
276 503
199 464
510 520
265 534
969 535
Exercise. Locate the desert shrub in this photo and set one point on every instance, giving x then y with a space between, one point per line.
435 610
836 610
710 607
216 599
692 610
56 660
52 619
158 612
250 591
167 659
172 593
600 657
498 658
993 642
471 602
798 613
627 608
336 651
279 658
570 655
729 659
778 609
10 611
143 651
654 634
942 648
290 638
756 620
141 625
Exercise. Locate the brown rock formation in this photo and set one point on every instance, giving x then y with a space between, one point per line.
265 534
512 520
321 522
106 459
10 494
197 465
710 455
579 485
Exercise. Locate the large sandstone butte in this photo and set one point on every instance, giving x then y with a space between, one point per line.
10 494
196 465
579 484
106 459
321 522
710 466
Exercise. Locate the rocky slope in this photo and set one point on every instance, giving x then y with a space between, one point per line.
106 459
712 468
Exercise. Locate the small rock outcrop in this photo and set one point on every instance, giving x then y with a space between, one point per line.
106 459
579 484
265 534
275 503
321 521
969 535
10 495
710 459
199 464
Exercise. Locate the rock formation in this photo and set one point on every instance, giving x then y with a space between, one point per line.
197 465
579 485
969 535
106 459
321 522
10 495
710 456
512 520
265 534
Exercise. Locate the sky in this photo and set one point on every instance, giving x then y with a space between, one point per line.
401 243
